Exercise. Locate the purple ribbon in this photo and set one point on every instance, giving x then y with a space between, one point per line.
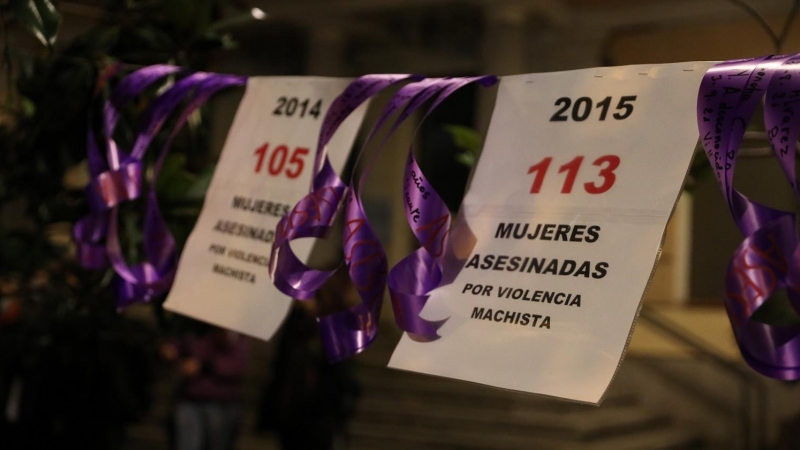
108 187
313 215
348 332
152 277
766 261
415 276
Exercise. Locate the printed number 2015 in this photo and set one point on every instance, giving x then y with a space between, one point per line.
582 108
277 162
607 164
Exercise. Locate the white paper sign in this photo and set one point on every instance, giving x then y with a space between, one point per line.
568 205
265 168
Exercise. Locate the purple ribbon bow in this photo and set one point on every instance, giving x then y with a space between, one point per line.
154 276
766 261
348 332
108 187
143 281
413 278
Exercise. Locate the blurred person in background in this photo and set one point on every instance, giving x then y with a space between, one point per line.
66 373
309 400
211 363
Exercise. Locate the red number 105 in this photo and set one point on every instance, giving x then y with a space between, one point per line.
607 165
277 161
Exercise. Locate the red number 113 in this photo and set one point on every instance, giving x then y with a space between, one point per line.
607 165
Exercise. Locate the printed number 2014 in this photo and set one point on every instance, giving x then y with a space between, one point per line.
582 108
607 164
289 106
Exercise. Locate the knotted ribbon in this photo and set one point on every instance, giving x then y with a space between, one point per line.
314 214
413 278
154 276
118 178
348 332
766 262
107 187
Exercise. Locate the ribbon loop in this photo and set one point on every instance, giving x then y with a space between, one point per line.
413 278
348 332
766 262
109 187
118 178
112 187
153 277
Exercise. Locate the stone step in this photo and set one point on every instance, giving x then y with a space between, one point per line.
582 424
668 438
403 410
395 437
161 412
398 385
390 436
144 437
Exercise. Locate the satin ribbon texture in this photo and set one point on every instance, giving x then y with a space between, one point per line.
349 332
413 278
107 187
153 276
766 262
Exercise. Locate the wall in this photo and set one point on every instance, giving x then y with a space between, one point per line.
714 236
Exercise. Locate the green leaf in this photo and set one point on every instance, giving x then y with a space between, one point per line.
38 16
200 186
468 140
28 107
175 181
467 159
465 138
